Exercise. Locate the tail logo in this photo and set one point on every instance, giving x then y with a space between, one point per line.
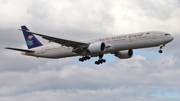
29 40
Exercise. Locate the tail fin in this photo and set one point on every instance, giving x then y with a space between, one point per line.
30 39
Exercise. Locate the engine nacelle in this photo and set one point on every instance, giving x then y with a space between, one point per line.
97 47
124 54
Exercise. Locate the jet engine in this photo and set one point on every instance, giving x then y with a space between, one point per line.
124 54
97 47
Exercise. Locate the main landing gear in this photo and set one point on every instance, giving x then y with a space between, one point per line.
100 60
160 50
84 58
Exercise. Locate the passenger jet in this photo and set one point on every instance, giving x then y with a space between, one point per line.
120 46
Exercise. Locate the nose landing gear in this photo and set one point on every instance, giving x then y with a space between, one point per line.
160 50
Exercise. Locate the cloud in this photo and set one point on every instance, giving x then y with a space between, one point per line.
11 37
139 80
154 15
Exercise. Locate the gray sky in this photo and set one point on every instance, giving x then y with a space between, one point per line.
145 77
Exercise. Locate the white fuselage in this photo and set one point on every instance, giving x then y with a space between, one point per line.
113 44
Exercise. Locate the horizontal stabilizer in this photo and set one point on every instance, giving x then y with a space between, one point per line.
17 49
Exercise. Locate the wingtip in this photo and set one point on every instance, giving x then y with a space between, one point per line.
6 47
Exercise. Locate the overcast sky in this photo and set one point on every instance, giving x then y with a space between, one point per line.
147 76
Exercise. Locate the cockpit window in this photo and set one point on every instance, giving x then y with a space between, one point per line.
147 33
166 34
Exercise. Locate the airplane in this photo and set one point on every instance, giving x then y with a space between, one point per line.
121 46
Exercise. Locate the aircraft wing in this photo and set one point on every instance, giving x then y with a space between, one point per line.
17 49
64 42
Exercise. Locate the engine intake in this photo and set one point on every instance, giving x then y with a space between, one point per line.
97 47
124 54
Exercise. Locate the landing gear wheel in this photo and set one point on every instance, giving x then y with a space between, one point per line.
81 59
160 51
103 60
97 62
84 58
100 61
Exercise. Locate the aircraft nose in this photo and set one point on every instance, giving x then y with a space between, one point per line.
171 38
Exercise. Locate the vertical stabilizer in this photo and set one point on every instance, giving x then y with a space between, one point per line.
30 39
